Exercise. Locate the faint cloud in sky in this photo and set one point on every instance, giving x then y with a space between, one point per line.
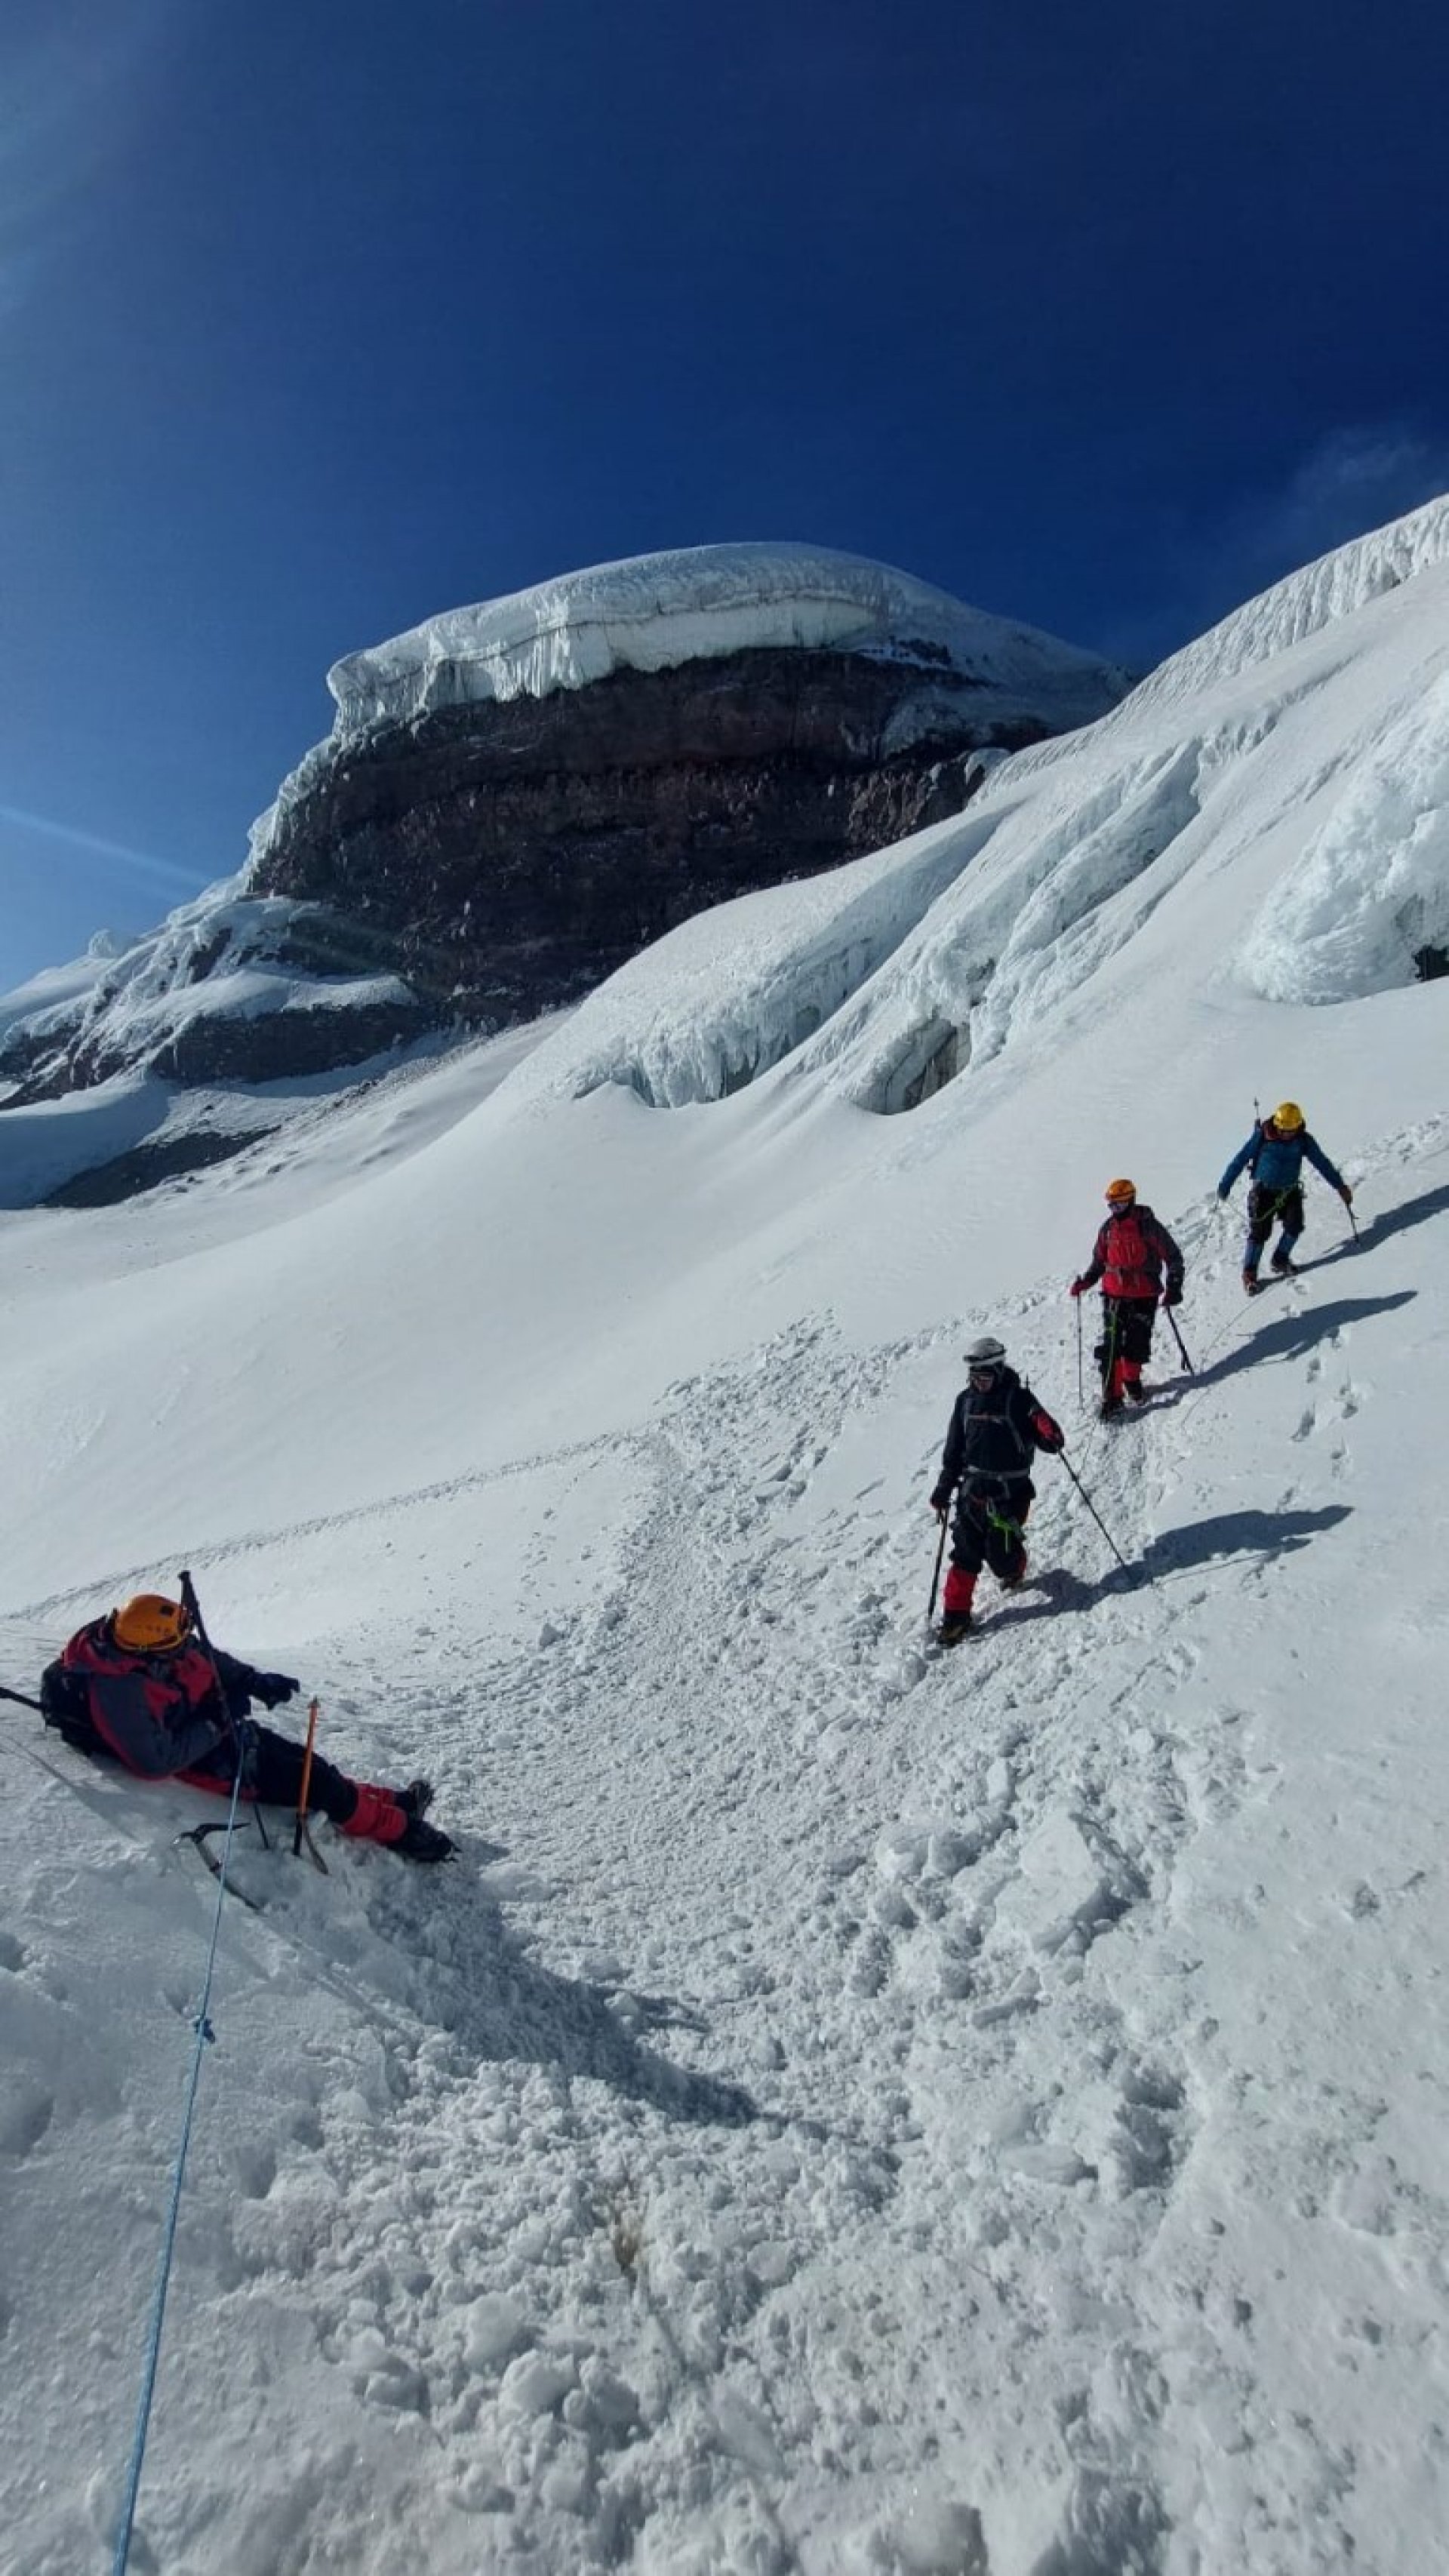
76 81
142 863
1352 480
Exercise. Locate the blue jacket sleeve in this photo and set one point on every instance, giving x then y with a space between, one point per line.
1321 1163
1239 1163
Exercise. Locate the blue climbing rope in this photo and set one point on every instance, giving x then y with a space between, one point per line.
204 2034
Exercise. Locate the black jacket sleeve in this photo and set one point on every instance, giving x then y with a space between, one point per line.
951 1456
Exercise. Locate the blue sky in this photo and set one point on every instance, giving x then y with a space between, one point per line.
319 316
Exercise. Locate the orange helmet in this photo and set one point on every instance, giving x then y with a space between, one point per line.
151 1625
1119 1192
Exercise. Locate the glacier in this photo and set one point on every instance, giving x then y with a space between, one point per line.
1303 739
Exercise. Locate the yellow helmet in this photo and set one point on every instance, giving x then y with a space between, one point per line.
1119 1192
151 1625
1288 1118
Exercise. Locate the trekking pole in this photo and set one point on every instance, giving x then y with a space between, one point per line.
192 1606
936 1575
1081 1388
23 1699
1092 1508
303 1832
1181 1344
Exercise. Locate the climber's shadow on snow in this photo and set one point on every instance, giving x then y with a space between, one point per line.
1265 1534
1291 1336
501 2004
1398 1220
1056 1589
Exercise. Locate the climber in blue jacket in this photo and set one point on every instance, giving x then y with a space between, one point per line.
1274 1154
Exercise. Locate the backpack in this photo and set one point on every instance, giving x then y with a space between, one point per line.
65 1704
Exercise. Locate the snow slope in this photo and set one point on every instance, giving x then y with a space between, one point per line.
848 2110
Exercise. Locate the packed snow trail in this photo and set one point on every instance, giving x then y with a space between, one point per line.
802 2140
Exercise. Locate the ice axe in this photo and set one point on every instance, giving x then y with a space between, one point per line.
1181 1344
302 1832
192 1607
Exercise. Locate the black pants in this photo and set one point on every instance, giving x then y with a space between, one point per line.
276 1779
988 1528
1268 1207
1126 1332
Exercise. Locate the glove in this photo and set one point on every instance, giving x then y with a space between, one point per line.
272 1688
245 1735
1172 1296
940 1501
1346 1195
1222 1192
1052 1441
1077 1288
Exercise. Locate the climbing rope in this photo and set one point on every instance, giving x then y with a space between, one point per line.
204 2034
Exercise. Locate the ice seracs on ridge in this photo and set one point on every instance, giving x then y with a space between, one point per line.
652 612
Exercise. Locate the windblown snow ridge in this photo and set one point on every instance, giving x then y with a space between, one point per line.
1333 588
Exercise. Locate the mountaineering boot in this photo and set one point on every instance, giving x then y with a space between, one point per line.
1251 1282
1109 1405
952 1630
418 1841
1284 1264
417 1797
1136 1390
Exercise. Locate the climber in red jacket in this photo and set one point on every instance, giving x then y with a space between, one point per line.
138 1687
1139 1265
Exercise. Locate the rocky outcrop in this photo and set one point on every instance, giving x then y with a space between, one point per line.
518 797
511 854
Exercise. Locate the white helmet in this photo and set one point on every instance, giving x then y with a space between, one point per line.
987 1352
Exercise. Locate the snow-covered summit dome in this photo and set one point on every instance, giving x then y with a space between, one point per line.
652 612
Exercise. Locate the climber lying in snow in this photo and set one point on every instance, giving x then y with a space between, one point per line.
139 1688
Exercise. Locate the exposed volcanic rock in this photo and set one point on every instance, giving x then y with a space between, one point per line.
517 797
517 852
